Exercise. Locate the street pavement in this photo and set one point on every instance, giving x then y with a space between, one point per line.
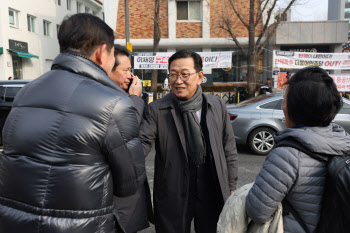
249 166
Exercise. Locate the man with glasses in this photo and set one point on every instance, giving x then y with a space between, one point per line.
196 155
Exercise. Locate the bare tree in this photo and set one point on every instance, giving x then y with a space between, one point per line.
156 39
259 30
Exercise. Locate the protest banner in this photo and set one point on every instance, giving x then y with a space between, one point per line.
159 60
299 60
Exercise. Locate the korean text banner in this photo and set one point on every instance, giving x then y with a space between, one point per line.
299 60
342 82
159 61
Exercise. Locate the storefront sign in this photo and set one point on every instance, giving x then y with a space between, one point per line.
159 61
296 60
18 46
342 82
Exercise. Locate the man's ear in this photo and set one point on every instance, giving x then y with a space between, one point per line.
200 78
98 54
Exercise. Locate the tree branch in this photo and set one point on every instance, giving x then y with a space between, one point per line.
274 27
238 15
266 24
260 13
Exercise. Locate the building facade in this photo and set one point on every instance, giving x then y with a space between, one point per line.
28 33
193 24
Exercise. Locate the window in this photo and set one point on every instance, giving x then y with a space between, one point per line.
13 17
87 9
69 7
188 10
271 105
58 2
347 15
79 7
103 16
94 12
46 28
58 28
31 23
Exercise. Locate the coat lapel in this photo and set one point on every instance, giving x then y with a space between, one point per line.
169 104
179 128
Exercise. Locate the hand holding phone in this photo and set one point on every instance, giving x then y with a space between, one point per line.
135 86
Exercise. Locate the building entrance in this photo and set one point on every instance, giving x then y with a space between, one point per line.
17 67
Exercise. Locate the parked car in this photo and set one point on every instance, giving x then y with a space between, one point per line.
255 120
8 91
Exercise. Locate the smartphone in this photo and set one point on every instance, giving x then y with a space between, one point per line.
129 85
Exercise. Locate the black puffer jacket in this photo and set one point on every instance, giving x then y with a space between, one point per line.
70 143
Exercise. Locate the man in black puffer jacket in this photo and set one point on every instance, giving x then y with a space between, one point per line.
71 140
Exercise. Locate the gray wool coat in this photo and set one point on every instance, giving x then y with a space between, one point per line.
162 124
289 173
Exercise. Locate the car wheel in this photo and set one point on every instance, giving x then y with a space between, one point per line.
261 140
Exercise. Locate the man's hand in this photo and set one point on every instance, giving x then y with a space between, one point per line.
136 86
231 191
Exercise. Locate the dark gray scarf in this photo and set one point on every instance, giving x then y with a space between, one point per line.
193 131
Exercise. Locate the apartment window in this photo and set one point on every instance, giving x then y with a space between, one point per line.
188 10
46 28
58 2
69 6
87 9
31 23
13 17
347 15
58 28
79 7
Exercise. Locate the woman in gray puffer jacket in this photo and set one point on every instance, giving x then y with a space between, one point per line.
310 103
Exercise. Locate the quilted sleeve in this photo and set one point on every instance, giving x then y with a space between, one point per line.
274 181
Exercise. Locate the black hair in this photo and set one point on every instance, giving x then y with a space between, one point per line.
83 33
119 50
312 97
198 65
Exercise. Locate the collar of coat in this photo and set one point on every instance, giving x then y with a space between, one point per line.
84 66
169 101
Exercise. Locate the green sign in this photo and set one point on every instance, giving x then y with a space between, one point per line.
1 50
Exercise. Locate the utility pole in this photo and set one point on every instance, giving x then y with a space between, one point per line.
127 37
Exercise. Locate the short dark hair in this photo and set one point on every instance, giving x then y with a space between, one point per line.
198 65
119 50
312 97
83 33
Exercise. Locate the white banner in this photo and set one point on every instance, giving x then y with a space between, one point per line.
159 61
298 60
342 82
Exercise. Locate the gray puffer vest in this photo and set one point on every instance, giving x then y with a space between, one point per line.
289 173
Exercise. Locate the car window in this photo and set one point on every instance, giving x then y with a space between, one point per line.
279 105
253 100
270 105
345 109
10 93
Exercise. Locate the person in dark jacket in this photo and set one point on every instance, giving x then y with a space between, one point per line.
196 155
311 102
134 211
71 140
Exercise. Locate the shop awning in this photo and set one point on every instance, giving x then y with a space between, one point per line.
22 54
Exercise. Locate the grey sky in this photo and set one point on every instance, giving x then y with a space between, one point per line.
308 10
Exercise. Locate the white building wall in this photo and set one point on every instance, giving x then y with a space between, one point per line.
46 47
